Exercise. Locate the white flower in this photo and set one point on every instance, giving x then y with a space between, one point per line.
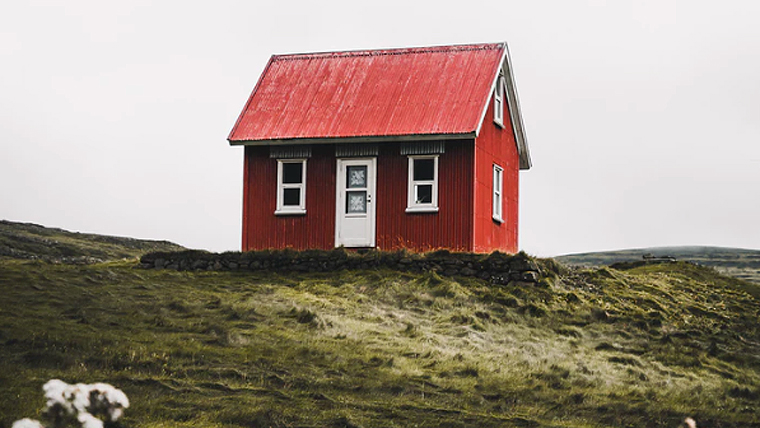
79 396
88 421
27 423
82 402
57 405
107 400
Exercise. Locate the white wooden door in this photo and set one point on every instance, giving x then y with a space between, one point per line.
355 203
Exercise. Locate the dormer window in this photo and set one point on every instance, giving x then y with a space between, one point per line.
498 101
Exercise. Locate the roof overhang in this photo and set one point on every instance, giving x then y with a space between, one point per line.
360 139
516 114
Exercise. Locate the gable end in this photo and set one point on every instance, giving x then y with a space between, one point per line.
513 103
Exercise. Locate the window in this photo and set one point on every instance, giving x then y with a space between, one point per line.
498 202
423 184
291 186
498 102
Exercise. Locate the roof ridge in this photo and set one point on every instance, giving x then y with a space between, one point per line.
390 51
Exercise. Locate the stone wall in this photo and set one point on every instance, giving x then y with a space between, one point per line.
499 268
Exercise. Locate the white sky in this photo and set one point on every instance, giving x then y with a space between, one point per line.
643 117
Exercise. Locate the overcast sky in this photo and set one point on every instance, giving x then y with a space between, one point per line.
643 117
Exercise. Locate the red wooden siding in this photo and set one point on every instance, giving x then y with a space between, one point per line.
262 229
496 145
450 227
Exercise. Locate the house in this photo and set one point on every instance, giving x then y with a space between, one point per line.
416 148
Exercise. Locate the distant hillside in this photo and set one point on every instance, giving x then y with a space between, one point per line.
34 242
582 348
736 262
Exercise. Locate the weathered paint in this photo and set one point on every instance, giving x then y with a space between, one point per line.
495 145
262 229
450 227
392 92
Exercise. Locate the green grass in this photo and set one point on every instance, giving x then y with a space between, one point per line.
643 347
32 241
737 262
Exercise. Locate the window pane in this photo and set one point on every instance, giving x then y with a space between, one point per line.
424 194
424 169
291 173
291 197
356 202
356 176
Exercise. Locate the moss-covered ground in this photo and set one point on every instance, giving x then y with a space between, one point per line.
584 348
34 242
737 262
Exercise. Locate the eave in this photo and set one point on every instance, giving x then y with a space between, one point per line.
358 139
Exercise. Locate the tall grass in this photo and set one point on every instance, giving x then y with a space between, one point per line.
644 347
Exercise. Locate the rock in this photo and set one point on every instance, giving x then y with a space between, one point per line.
522 264
500 279
468 272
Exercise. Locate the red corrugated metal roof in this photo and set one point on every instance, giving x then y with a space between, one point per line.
375 93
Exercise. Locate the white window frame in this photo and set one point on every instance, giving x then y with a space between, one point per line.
498 193
412 206
283 209
498 102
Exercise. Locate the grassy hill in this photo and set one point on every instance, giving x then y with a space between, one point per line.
737 262
34 242
583 348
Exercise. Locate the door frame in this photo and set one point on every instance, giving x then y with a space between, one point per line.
340 184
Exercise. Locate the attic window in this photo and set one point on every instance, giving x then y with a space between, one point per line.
498 102
291 186
422 191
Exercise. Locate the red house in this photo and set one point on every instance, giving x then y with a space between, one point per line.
414 148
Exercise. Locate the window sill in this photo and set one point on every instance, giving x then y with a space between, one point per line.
498 220
290 212
499 123
413 210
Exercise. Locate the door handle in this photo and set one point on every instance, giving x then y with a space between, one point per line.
369 198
